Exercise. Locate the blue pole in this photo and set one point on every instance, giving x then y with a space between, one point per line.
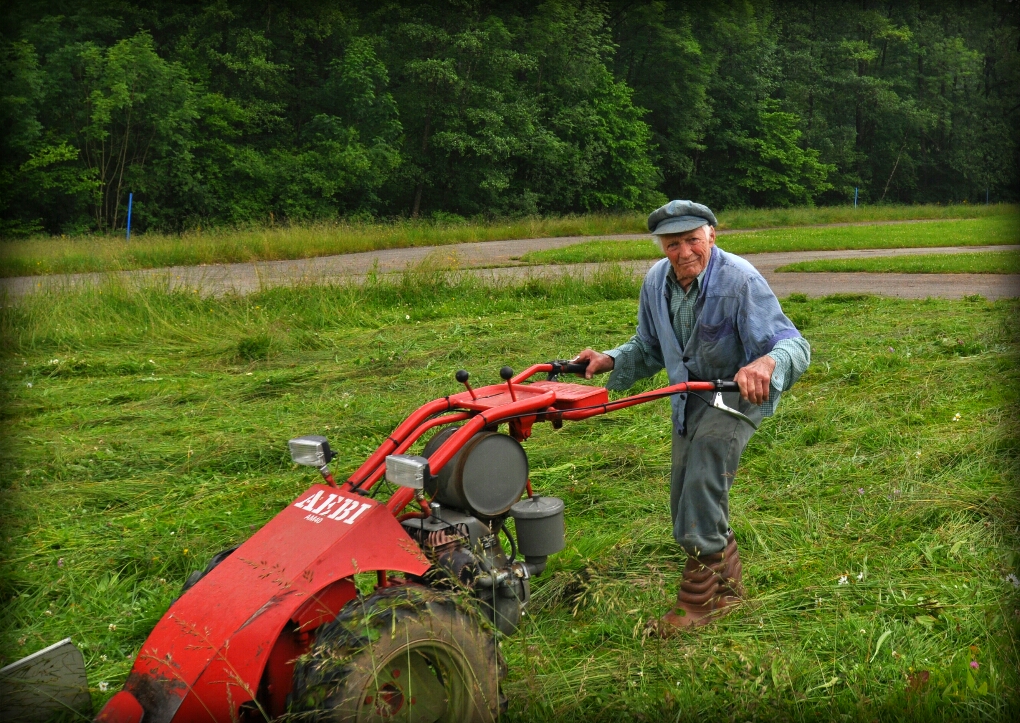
855 201
131 197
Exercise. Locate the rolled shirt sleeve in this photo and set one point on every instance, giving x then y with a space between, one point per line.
792 359
633 360
641 356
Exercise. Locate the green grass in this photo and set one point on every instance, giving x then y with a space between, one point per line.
994 262
145 431
971 232
58 255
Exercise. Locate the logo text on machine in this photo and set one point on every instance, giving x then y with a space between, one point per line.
334 507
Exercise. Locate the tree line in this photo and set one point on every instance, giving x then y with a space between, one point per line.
264 111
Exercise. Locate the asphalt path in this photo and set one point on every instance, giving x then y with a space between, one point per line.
498 261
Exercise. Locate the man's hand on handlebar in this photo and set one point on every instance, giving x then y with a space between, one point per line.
754 379
597 362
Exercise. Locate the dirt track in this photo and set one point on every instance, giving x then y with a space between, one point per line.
495 260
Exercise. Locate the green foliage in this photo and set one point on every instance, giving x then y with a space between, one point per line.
244 113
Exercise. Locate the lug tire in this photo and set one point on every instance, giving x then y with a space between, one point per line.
197 575
405 653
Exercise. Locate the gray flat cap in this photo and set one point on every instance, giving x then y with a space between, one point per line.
680 217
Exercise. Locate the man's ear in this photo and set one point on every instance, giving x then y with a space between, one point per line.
711 235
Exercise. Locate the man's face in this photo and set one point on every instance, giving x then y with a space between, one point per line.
689 252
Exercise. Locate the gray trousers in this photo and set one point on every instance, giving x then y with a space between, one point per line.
705 460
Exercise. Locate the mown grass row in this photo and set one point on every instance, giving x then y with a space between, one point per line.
877 512
989 262
970 232
52 255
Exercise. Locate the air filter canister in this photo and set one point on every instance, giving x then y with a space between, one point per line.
485 477
540 527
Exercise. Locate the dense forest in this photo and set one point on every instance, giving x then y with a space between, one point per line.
265 111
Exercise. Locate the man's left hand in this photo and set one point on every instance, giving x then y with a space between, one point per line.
754 379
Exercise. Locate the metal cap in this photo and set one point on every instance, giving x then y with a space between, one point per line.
536 508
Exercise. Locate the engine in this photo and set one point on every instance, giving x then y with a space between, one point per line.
471 499
466 553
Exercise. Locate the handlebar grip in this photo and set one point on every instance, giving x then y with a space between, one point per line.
575 367
722 386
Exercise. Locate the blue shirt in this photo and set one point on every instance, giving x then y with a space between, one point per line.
727 318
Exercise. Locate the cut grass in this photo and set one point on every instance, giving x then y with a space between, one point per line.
971 232
52 255
994 262
145 431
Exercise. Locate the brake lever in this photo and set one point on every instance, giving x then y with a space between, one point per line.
718 403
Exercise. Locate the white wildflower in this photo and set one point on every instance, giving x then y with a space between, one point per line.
917 453
103 686
103 658
958 417
843 580
111 627
860 576
54 361
28 384
1012 579
407 316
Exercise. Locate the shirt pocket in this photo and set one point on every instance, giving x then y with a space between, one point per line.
709 333
719 351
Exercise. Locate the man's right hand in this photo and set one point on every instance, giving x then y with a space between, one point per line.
597 362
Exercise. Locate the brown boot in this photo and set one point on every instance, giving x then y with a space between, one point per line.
710 587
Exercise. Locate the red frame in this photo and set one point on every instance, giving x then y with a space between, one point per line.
225 649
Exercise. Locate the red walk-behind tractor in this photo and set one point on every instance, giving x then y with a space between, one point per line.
277 628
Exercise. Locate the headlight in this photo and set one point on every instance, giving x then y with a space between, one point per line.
407 470
310 450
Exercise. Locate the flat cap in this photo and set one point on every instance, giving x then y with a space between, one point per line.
680 217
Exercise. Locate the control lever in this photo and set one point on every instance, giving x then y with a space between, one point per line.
506 374
718 403
462 376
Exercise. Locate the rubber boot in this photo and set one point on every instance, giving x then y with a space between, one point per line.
709 588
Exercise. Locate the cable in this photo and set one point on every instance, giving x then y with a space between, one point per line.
513 543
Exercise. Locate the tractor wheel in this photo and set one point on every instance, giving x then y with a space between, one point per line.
199 574
406 653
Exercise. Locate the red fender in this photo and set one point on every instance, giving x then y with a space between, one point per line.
206 656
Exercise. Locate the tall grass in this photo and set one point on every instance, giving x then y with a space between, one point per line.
876 513
56 255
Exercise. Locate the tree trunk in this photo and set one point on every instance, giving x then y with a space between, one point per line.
416 206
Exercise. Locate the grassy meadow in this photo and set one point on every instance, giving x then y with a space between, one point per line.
877 513
995 230
60 255
991 262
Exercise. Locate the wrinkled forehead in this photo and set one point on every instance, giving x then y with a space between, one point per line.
702 233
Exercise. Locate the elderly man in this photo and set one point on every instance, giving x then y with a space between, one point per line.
705 314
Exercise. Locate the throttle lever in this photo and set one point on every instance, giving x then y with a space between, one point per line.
718 403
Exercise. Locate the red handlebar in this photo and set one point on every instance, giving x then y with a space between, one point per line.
535 406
